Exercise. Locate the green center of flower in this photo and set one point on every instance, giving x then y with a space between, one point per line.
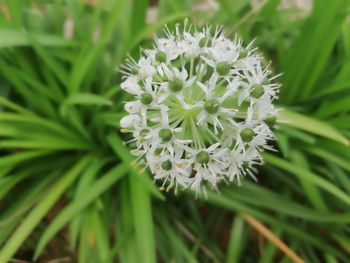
143 132
202 157
271 121
165 135
243 53
146 98
158 151
205 42
247 134
167 165
212 106
257 91
160 56
176 85
266 81
222 68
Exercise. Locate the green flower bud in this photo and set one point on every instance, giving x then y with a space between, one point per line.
205 42
212 106
202 157
257 91
243 53
158 151
160 56
266 81
146 98
271 121
247 134
143 132
176 85
165 135
167 165
222 68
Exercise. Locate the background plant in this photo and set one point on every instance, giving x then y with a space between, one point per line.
67 184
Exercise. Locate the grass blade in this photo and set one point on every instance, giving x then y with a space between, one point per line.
312 125
34 217
80 203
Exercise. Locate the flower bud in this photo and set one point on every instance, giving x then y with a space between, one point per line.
223 68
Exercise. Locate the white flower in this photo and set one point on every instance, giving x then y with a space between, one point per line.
133 106
202 109
130 121
172 169
145 68
131 85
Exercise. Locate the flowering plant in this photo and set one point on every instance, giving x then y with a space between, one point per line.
202 109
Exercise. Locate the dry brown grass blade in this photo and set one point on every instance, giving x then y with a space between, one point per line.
263 230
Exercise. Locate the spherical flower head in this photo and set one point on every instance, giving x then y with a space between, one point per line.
202 108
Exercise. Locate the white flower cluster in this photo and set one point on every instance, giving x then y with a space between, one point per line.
202 110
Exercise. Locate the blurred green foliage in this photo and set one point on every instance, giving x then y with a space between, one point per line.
68 185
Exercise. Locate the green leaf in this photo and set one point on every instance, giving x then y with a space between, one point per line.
144 230
311 191
13 106
311 125
35 216
307 59
297 232
139 12
41 122
13 38
235 246
68 213
87 99
307 175
16 158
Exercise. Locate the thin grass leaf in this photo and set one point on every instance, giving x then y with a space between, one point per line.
13 38
34 217
231 204
249 194
312 125
51 62
311 191
46 123
138 15
15 107
43 143
324 25
144 229
68 213
235 247
309 176
14 159
87 99
126 228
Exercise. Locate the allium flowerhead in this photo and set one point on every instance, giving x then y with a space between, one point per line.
202 110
